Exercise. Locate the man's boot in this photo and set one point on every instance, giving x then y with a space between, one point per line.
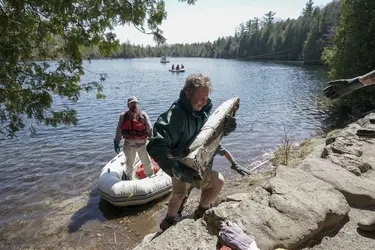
167 222
198 213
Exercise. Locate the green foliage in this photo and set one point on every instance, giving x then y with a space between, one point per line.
63 31
314 44
268 19
327 54
308 10
322 30
258 38
354 51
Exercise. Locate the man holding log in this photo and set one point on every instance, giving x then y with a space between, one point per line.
173 132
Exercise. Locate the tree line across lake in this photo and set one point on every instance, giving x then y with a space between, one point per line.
265 38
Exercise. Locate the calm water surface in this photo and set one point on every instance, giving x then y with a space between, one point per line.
60 163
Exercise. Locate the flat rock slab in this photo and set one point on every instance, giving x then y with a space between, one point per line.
359 191
293 208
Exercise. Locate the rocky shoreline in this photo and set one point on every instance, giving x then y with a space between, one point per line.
312 205
316 202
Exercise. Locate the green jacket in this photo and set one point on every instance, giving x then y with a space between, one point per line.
175 130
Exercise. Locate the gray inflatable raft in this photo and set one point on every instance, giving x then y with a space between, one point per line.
120 192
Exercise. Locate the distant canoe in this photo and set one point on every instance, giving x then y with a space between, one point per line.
177 71
164 61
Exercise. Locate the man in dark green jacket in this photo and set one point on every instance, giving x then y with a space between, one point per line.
173 132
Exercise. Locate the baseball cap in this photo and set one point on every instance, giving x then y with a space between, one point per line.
132 99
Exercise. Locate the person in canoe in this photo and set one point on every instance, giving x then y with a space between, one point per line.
135 127
173 132
172 66
182 66
178 67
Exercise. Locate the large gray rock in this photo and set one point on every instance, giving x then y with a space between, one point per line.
352 163
288 211
293 208
348 145
348 164
367 126
359 191
368 155
352 148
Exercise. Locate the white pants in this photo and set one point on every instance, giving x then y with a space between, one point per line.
130 152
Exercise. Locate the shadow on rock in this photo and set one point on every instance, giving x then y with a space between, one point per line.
326 233
368 208
366 234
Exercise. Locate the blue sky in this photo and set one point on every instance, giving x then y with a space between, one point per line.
209 19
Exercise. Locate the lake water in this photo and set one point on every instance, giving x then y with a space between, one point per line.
64 162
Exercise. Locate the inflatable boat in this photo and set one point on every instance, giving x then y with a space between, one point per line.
113 187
